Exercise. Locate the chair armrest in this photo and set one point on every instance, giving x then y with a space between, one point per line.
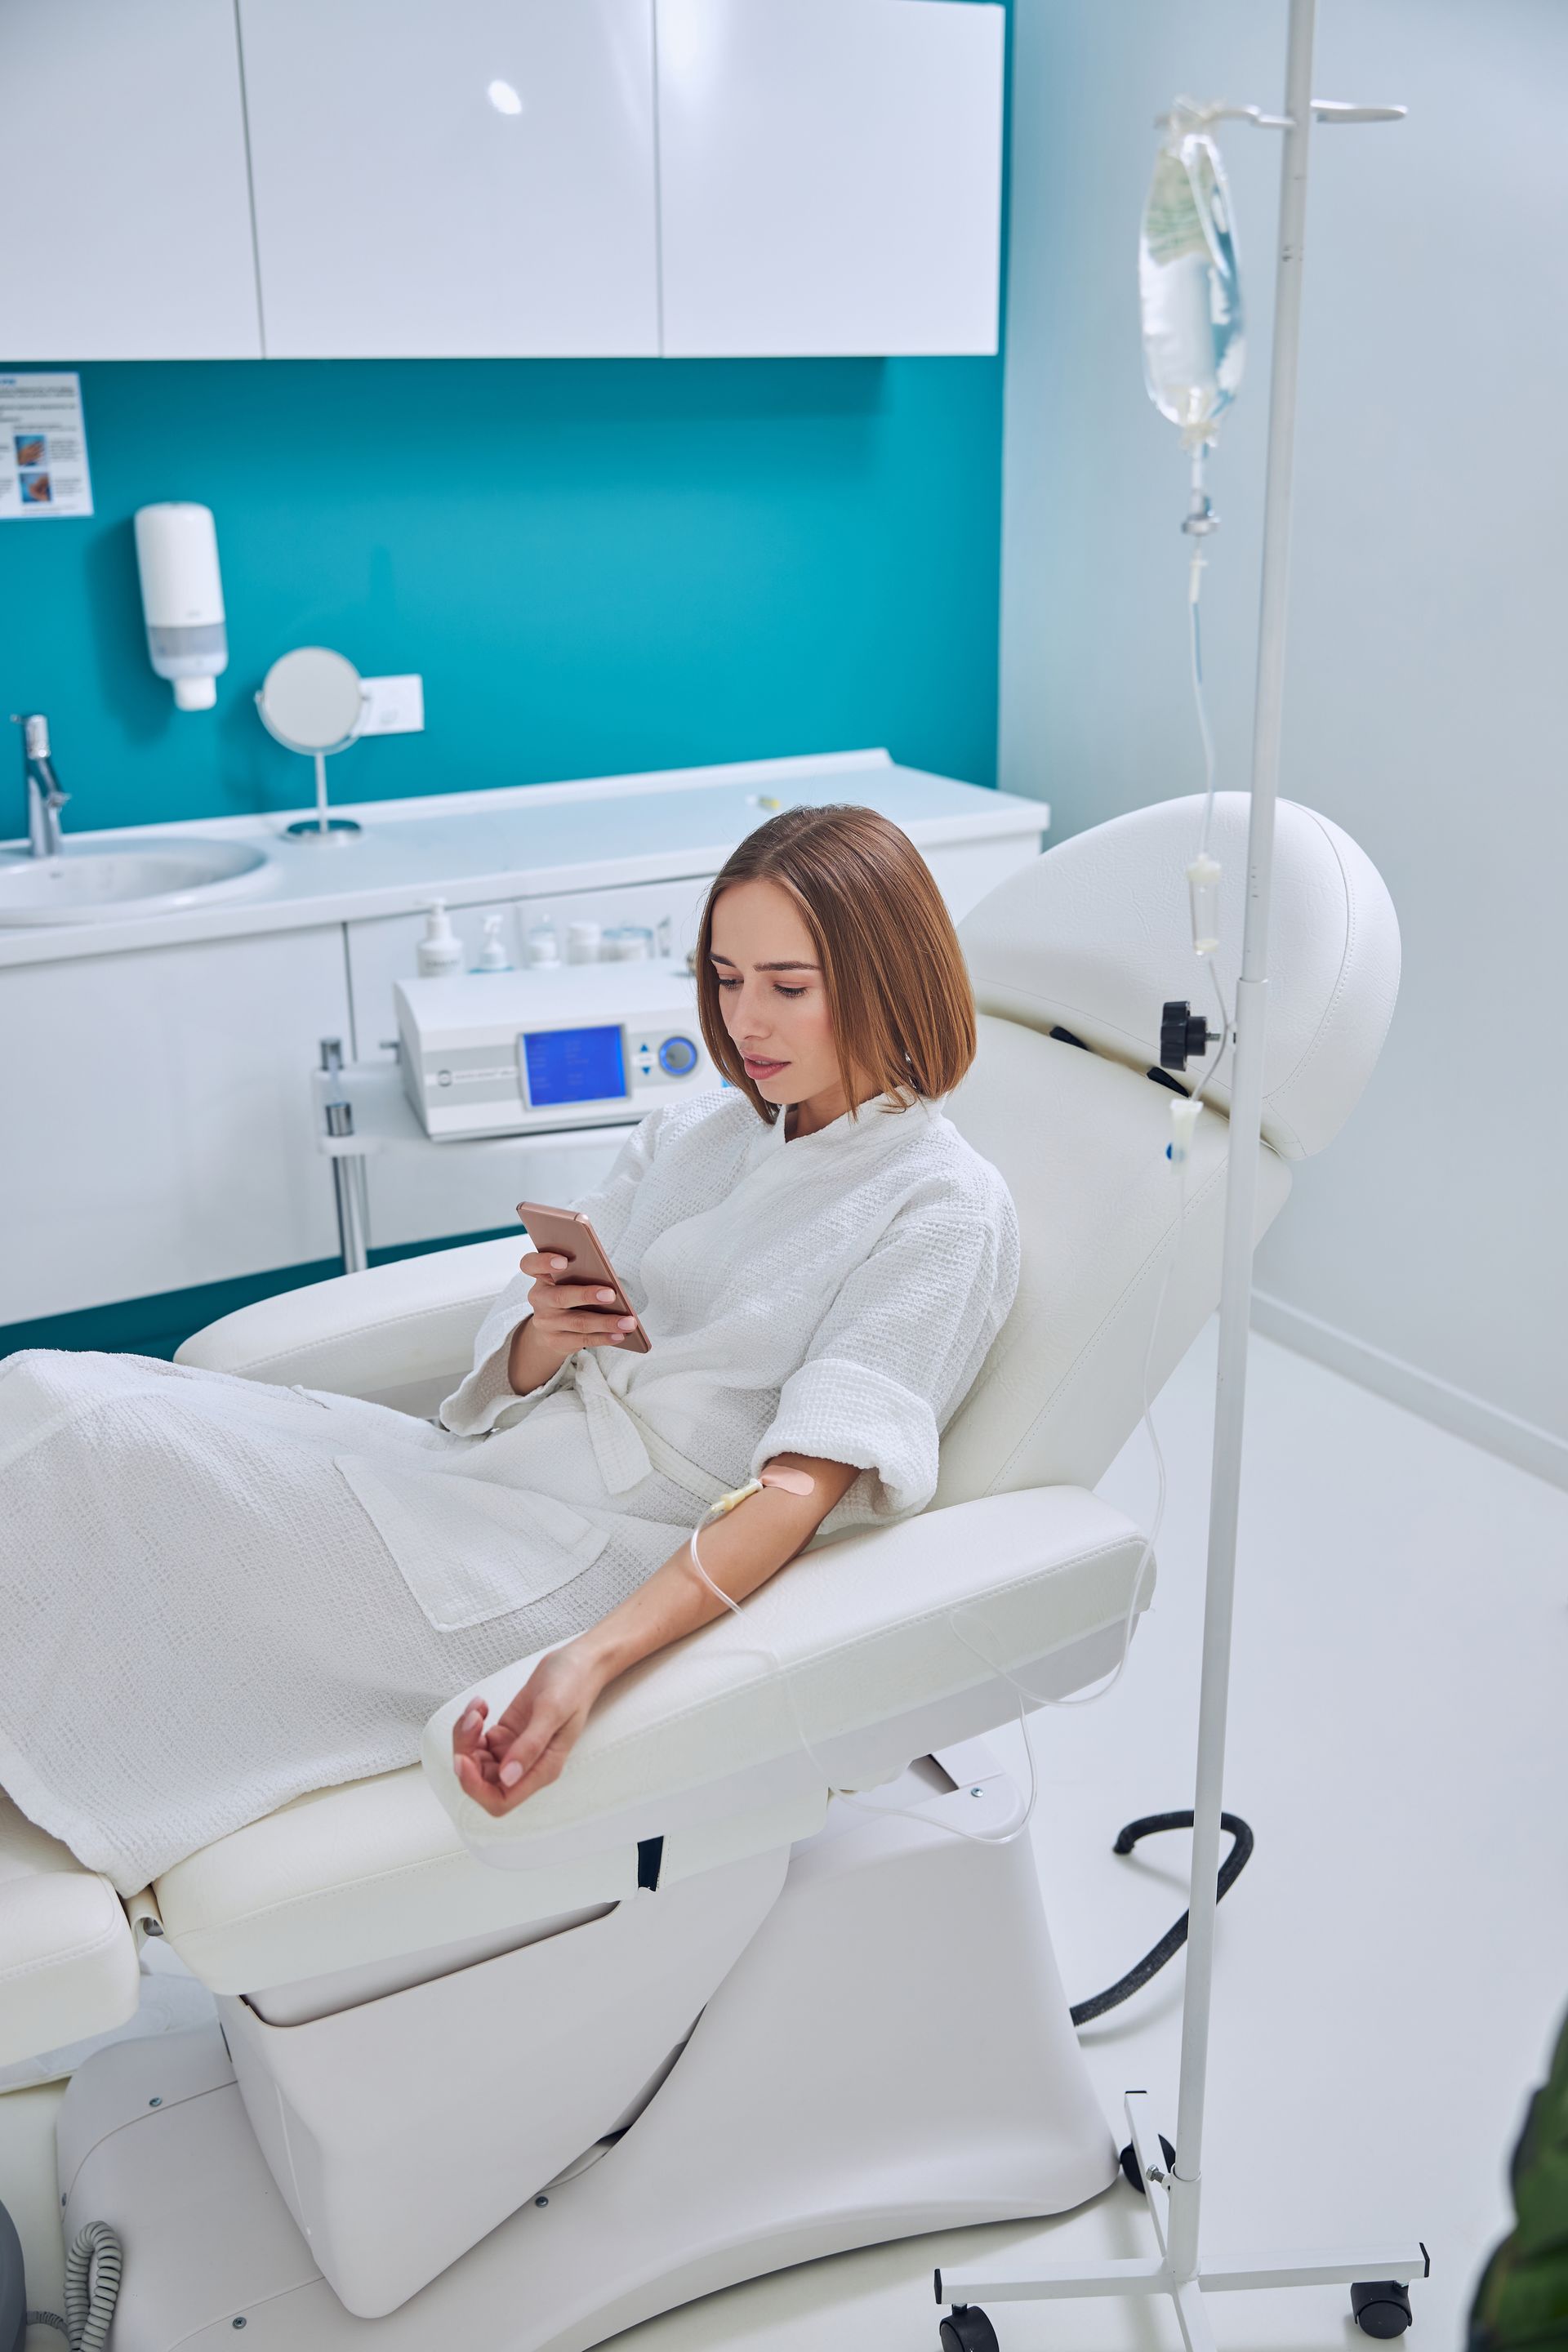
384 1334
878 1672
68 1957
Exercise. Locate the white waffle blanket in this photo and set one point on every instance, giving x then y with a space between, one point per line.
217 1596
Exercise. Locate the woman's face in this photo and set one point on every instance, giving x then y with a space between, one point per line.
774 1002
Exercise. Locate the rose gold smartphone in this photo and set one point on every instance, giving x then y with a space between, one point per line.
562 1233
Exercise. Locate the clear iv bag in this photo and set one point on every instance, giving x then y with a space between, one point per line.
1194 348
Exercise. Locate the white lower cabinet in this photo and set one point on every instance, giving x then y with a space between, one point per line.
158 1120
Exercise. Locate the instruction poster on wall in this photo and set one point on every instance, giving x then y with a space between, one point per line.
42 448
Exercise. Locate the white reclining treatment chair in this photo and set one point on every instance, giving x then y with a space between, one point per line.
685 2018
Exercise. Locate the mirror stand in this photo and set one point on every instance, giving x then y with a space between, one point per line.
312 701
322 828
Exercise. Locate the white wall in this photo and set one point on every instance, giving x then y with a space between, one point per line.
1427 692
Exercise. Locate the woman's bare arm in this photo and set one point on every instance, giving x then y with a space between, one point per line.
538 1731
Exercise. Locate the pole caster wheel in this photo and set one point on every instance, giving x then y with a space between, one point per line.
1130 2163
1381 2306
968 2330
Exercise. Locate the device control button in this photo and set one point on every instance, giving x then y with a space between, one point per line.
678 1058
443 1078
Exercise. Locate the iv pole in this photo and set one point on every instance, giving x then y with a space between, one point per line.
1179 2269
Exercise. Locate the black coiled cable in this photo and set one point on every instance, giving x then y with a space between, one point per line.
1171 1943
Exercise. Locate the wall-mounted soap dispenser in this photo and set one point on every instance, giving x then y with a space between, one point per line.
181 599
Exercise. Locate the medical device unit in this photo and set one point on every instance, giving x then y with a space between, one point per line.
592 1045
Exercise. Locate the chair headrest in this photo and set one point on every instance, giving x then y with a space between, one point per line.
1094 937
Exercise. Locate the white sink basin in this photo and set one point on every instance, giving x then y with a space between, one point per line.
84 886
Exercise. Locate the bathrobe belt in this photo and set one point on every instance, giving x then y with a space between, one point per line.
627 1449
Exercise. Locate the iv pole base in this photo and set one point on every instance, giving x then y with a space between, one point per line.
1350 2266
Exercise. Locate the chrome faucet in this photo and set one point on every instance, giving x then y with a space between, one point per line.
44 798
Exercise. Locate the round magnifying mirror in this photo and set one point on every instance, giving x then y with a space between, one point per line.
311 701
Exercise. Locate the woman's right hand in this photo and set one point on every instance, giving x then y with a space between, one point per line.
566 1315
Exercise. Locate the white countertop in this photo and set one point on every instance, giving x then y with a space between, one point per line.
525 840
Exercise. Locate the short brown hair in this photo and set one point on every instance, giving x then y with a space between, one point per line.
898 988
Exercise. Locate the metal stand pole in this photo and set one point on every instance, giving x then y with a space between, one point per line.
322 827
348 1171
1241 1167
345 1186
1178 2270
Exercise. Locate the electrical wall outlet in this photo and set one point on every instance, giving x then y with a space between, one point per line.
393 705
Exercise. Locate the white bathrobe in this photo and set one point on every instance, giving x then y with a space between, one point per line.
218 1595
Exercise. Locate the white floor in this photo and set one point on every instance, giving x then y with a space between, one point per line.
1392 1964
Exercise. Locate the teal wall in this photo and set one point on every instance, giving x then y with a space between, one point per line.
596 565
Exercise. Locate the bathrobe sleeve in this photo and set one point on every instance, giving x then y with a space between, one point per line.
471 1411
897 1353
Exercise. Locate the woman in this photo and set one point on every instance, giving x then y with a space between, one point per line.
219 1596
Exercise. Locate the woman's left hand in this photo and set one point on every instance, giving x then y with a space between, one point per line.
536 1733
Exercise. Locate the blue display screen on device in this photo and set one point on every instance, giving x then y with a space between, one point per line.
573 1065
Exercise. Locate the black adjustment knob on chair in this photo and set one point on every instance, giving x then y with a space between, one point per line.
1182 1034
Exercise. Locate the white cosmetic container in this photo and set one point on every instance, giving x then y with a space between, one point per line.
583 943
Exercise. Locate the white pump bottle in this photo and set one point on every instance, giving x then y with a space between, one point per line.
440 951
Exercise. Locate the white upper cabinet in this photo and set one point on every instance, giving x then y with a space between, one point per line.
830 175
452 178
531 179
125 211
